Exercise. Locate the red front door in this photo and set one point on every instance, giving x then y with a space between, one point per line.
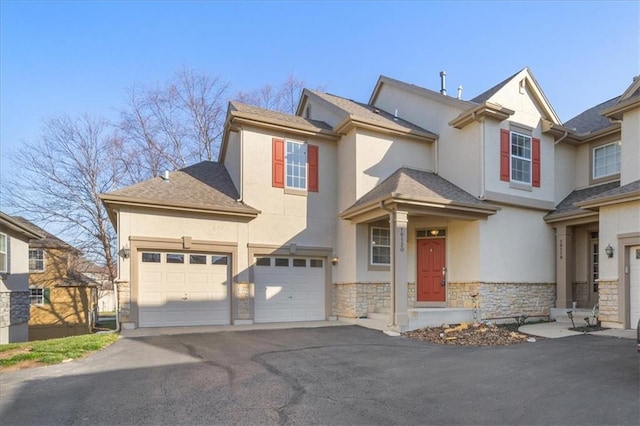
431 263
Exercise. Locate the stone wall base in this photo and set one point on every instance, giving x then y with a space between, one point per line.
608 302
494 300
354 300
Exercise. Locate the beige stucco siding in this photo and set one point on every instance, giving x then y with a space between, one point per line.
615 220
379 155
232 158
564 170
630 166
516 245
18 277
459 153
322 112
546 191
288 217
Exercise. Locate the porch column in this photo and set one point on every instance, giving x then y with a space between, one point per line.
399 271
564 266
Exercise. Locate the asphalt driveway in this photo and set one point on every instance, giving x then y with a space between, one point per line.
334 375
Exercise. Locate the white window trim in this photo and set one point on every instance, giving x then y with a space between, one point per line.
40 297
371 245
286 164
529 160
5 254
43 260
593 164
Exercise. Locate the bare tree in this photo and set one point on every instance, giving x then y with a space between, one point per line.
284 98
59 179
172 125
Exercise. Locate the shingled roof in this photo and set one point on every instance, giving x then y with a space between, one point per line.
205 186
568 207
420 185
279 117
592 120
371 114
630 189
48 240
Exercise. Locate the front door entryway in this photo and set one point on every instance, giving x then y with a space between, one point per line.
431 286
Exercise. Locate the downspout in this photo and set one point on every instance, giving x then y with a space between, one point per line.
240 191
482 165
561 138
437 155
115 282
392 270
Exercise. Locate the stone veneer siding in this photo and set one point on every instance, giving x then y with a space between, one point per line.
242 301
495 299
507 300
352 300
124 301
608 301
14 307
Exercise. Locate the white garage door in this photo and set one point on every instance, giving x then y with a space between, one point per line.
181 289
634 285
289 289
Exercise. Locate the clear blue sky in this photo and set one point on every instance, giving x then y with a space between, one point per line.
74 57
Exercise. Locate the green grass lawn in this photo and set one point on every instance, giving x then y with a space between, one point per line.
54 351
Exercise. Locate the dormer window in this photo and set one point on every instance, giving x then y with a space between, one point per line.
606 160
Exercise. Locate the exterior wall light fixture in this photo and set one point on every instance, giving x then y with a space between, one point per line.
609 251
124 252
335 260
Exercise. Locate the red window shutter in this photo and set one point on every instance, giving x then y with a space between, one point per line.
535 162
278 163
312 160
505 158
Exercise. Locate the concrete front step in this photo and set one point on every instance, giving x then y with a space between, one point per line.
560 315
435 317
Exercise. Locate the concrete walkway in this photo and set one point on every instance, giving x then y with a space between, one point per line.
168 331
550 330
555 330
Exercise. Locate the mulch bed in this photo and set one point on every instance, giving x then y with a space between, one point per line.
479 334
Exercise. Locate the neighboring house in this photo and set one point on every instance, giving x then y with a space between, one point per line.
99 275
598 223
14 279
415 204
63 300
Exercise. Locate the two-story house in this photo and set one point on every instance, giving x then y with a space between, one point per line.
14 279
63 301
415 204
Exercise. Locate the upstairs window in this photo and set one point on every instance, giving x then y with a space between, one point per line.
36 260
296 160
4 267
294 165
519 158
380 246
606 160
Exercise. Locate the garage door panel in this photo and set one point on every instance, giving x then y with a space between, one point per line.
183 294
289 293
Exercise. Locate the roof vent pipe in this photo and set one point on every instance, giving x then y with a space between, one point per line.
165 176
459 92
443 89
395 115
